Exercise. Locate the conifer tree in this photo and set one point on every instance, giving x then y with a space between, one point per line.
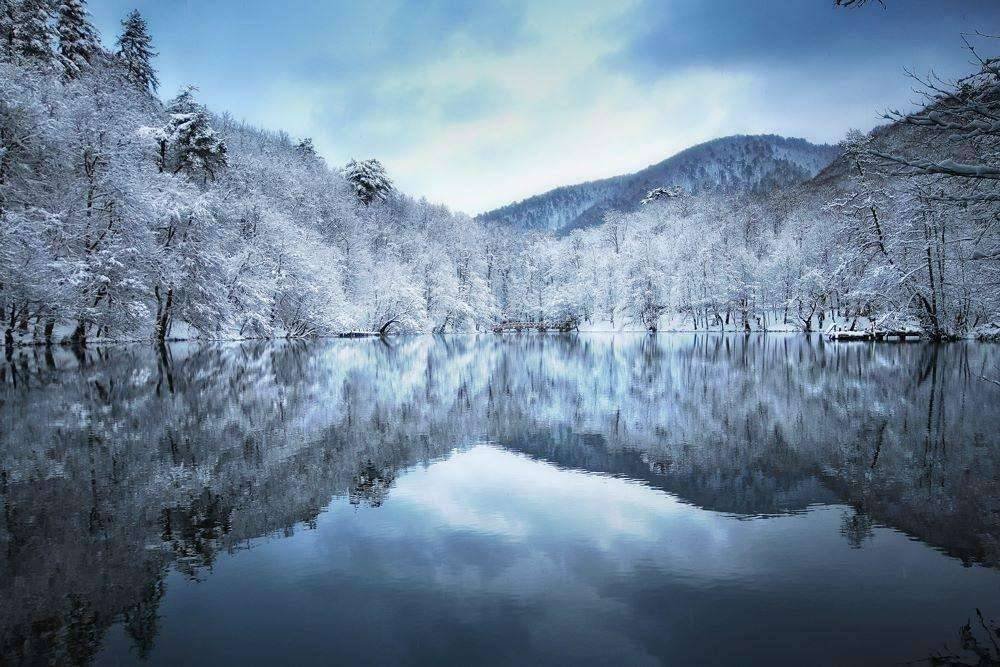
135 51
306 148
8 19
77 38
188 142
33 36
369 179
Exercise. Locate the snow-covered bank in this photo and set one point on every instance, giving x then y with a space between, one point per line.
772 321
670 326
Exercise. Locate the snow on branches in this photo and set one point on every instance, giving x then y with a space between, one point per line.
135 52
657 194
120 217
960 125
124 218
188 142
77 39
371 184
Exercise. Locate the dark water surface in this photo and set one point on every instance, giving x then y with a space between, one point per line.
593 499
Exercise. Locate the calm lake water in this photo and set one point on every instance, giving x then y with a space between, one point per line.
533 499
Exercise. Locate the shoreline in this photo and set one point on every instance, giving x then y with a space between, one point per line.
861 337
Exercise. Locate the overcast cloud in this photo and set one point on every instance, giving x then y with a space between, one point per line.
476 104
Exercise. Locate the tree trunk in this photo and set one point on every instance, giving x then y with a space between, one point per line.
931 307
164 317
8 334
79 337
384 329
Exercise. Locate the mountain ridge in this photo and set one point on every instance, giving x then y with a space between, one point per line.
734 163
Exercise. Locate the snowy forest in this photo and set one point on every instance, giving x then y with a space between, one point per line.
126 217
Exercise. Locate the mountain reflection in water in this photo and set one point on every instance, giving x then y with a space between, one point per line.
532 498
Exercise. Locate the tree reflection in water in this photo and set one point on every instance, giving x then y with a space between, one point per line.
118 463
978 645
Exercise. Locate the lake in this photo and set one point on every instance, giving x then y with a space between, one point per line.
624 499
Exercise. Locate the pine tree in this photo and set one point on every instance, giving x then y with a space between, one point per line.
369 180
135 51
305 148
77 38
307 151
8 19
188 142
33 35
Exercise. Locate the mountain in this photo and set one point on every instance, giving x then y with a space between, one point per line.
738 163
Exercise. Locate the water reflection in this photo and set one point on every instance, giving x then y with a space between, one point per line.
126 473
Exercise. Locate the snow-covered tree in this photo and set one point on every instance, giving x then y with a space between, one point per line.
657 194
306 148
8 24
33 35
188 142
959 116
371 184
135 52
117 219
77 40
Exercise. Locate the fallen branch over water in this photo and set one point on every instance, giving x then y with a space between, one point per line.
873 335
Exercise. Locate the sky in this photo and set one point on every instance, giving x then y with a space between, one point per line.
477 103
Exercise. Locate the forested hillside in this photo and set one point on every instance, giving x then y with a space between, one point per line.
125 217
747 164
900 232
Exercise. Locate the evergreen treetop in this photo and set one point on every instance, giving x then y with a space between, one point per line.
135 51
32 36
369 179
77 38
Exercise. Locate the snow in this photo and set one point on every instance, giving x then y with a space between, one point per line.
123 220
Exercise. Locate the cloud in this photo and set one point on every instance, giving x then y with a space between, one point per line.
735 33
477 104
